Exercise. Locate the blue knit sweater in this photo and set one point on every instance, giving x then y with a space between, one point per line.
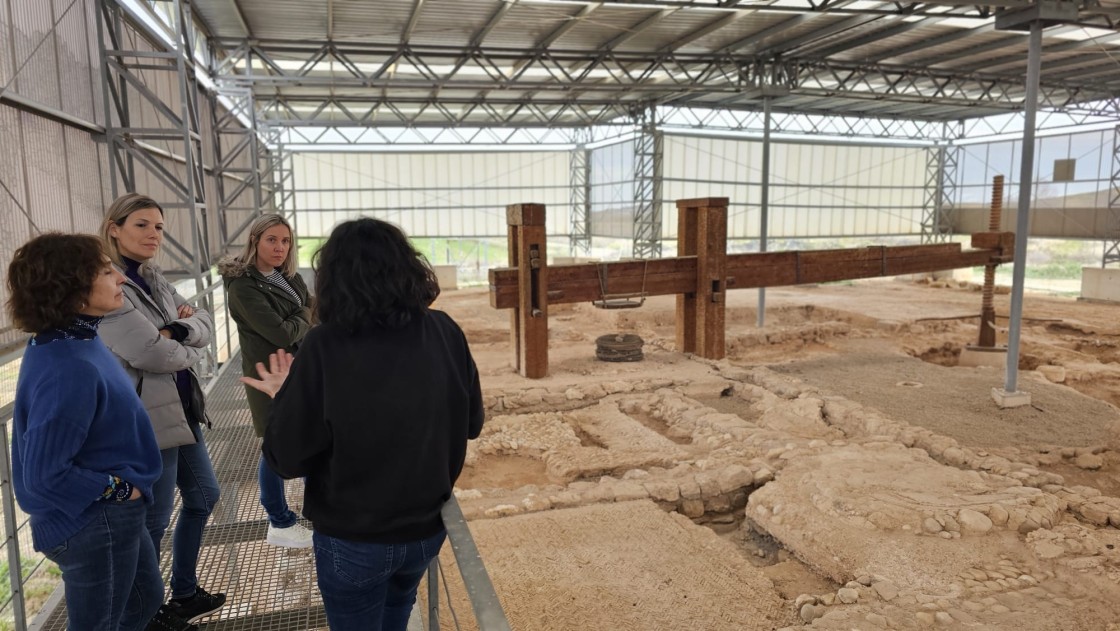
77 420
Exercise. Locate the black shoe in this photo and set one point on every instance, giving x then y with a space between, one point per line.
166 620
198 606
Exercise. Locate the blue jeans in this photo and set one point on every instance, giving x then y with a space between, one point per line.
371 586
187 467
109 571
272 497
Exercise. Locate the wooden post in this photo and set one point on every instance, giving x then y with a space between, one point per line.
686 302
702 231
529 319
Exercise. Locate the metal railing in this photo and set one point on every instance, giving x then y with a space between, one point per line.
17 614
488 612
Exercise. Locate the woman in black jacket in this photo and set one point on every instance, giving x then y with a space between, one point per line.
377 413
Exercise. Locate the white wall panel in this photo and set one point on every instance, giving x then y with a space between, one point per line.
1076 210
86 193
612 190
7 32
430 194
812 186
48 198
74 59
35 62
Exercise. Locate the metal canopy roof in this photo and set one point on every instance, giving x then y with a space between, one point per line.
568 63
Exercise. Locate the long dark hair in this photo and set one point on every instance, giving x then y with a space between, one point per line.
368 276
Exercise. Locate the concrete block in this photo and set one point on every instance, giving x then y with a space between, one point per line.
447 275
972 356
1100 284
1005 399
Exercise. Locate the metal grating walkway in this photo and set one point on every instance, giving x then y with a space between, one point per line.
268 588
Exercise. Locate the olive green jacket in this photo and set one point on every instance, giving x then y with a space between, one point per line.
268 318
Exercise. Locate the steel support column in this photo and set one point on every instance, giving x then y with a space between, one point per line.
1022 219
134 145
238 157
1112 244
764 219
940 190
580 193
283 183
648 153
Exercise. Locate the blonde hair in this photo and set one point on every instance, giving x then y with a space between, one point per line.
118 212
248 255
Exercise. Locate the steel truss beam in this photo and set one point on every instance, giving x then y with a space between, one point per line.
300 138
682 119
1112 245
580 183
1090 12
648 154
977 128
797 123
435 111
493 86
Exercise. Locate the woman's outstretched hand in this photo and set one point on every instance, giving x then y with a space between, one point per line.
279 363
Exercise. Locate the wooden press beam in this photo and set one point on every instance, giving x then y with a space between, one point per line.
700 277
580 282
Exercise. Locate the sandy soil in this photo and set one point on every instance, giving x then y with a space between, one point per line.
838 468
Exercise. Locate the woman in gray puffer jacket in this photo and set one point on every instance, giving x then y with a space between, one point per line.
159 337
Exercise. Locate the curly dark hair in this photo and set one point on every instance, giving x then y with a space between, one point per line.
368 276
50 277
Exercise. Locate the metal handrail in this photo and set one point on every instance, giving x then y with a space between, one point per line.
484 600
12 527
487 608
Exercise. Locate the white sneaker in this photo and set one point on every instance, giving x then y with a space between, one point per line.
294 536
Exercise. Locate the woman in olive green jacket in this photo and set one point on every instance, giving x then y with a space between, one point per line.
271 306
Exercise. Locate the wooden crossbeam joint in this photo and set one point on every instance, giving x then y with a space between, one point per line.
1002 242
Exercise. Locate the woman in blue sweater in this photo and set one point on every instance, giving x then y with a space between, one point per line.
84 456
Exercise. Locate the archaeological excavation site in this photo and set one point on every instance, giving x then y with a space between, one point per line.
837 469
787 314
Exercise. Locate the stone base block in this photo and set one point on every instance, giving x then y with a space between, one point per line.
972 356
1005 399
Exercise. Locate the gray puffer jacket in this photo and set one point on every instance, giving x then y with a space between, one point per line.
132 333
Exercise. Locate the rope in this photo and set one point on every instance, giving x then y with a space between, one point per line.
619 301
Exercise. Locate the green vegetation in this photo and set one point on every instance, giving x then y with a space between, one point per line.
483 253
307 250
1058 270
40 578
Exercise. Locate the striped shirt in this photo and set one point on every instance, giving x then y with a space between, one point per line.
276 278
